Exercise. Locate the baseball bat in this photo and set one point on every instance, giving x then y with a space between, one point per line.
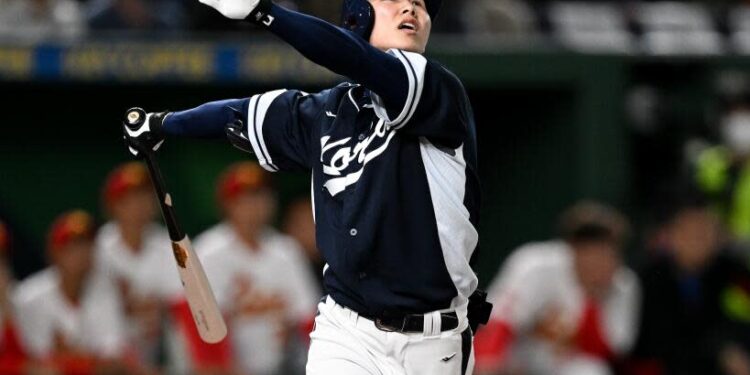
200 297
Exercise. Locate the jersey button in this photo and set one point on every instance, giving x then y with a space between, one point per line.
362 137
353 232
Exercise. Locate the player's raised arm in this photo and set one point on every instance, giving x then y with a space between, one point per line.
360 53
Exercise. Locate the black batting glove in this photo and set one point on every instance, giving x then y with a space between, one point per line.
143 131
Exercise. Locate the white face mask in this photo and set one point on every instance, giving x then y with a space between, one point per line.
735 131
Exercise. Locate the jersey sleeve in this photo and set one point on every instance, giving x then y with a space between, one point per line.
519 291
622 311
436 104
280 126
35 329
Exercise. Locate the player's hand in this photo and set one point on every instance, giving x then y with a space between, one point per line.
234 9
142 131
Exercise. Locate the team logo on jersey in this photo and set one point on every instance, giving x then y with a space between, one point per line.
344 163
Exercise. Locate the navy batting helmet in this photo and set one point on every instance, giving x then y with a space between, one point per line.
359 16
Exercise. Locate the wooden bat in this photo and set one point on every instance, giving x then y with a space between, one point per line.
200 297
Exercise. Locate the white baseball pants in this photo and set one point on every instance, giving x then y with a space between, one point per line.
343 343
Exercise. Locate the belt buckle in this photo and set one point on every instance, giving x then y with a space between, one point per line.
383 327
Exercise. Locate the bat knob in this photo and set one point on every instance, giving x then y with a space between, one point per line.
134 118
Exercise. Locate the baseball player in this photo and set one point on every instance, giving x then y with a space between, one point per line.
132 251
394 181
564 306
244 258
68 315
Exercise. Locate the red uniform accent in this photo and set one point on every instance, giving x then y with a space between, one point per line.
491 345
203 355
75 364
4 239
305 329
13 357
590 337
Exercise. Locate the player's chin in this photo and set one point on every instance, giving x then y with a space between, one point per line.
411 45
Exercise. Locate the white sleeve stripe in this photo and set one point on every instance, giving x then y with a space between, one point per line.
252 133
257 110
261 109
251 129
415 66
416 86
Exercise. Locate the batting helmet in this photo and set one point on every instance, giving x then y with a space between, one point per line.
359 16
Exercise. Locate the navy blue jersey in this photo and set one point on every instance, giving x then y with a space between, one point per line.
396 195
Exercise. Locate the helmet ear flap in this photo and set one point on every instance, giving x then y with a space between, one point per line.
358 16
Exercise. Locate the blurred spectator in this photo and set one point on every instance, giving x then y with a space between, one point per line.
677 27
70 317
696 302
299 224
591 27
136 14
498 17
134 252
12 355
723 171
32 20
260 277
565 306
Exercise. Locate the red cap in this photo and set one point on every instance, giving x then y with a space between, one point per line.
4 238
68 227
241 177
124 179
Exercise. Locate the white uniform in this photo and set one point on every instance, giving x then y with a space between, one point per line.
277 267
149 273
539 278
349 344
45 315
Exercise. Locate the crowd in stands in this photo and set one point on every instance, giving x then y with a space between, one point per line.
624 26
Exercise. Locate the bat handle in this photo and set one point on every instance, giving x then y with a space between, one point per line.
165 199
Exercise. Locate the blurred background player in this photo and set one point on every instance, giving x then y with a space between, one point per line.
696 292
70 317
565 306
261 277
135 254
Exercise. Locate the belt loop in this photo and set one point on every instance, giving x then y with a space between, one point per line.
437 322
427 325
432 323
